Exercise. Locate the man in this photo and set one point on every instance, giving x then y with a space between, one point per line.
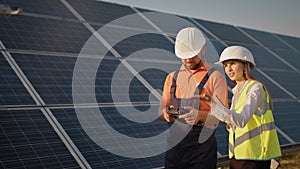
195 77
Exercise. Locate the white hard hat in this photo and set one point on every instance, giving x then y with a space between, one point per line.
238 53
189 42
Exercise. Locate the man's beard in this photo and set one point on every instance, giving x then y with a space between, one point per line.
194 67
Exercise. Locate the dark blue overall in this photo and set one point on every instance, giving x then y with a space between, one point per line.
188 153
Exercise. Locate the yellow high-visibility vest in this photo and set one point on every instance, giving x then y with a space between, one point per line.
258 140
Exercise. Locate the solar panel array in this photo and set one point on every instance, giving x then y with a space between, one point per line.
55 112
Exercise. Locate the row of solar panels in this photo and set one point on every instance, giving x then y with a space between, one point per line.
49 51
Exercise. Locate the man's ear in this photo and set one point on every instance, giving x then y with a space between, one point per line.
203 50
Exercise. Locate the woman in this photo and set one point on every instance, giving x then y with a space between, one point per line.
253 140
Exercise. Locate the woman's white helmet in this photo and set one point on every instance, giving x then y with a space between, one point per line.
238 53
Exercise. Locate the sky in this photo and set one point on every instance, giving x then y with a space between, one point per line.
275 16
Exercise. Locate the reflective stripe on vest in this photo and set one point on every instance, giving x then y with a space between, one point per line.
255 132
258 140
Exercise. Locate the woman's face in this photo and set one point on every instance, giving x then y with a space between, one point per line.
234 70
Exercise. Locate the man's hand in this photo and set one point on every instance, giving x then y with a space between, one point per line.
166 116
191 116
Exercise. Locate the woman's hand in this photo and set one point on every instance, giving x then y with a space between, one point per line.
228 126
210 99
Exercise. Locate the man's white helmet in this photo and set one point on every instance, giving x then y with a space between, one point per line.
238 53
189 42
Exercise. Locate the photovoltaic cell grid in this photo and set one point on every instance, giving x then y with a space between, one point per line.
48 8
227 33
45 40
99 14
292 41
267 39
43 34
51 76
12 90
96 156
28 141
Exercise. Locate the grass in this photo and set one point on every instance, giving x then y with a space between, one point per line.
290 160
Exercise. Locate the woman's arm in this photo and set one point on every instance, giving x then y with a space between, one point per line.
253 101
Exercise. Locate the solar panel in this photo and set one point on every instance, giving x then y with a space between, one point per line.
291 41
52 8
99 14
270 86
287 113
222 139
97 156
267 39
81 82
266 60
43 34
51 76
290 56
12 90
28 141
227 33
283 79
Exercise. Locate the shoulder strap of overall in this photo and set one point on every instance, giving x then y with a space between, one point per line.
173 86
203 81
198 89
